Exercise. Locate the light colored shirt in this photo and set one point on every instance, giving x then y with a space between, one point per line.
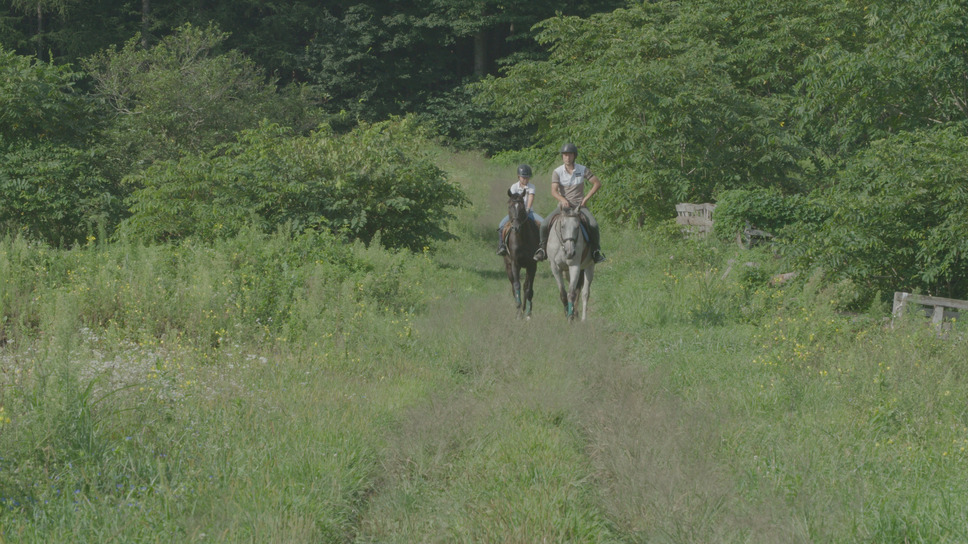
526 190
571 186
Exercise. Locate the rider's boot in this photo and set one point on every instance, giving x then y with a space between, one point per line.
598 256
502 248
541 254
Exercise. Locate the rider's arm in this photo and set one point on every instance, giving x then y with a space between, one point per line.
596 185
557 194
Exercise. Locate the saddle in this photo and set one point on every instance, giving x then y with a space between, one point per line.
581 223
506 233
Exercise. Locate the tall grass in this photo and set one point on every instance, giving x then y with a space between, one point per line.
291 388
804 422
164 393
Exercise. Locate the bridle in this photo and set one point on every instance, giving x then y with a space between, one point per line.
558 229
520 214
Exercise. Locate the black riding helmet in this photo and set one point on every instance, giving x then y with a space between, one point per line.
524 171
569 148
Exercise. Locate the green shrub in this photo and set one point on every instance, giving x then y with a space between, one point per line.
56 194
38 102
373 180
186 94
765 209
895 219
464 122
50 189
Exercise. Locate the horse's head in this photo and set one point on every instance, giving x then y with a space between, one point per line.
569 230
517 209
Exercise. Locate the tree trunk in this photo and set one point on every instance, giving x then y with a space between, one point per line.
480 53
40 31
145 27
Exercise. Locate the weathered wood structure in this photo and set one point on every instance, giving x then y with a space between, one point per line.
752 236
695 219
937 308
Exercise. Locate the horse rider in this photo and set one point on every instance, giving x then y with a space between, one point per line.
522 186
568 188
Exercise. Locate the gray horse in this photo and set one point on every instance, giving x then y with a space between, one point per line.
571 261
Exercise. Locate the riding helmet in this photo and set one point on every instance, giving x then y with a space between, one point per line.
524 171
569 148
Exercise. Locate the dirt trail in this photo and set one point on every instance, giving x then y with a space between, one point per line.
647 456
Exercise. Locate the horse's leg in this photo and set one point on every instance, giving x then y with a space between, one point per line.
589 274
514 279
516 285
562 293
531 269
574 275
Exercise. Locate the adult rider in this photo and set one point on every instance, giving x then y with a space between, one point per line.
568 188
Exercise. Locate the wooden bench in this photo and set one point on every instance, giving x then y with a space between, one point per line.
937 308
695 218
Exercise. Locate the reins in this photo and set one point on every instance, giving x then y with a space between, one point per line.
561 237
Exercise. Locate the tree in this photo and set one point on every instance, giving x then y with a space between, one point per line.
51 186
655 106
39 101
184 95
896 217
39 8
908 73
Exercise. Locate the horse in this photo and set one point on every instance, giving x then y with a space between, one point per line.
571 261
522 241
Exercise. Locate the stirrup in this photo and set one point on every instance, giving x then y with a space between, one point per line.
503 250
540 254
598 256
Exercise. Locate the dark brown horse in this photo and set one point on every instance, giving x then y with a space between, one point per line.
522 241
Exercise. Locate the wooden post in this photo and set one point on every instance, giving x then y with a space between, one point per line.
899 300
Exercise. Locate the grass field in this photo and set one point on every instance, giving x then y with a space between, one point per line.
289 388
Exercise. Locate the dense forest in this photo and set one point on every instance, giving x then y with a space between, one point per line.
838 125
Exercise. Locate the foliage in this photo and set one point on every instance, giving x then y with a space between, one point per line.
466 124
764 209
50 189
373 180
665 111
40 102
896 217
902 69
185 96
56 194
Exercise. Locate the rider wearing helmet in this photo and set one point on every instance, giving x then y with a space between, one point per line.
522 186
568 188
